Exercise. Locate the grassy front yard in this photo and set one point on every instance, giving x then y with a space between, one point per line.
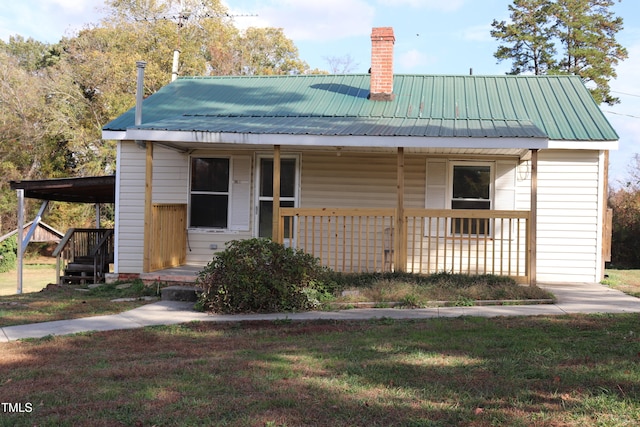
542 371
70 302
627 281
37 273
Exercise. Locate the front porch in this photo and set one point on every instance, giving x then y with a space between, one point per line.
367 239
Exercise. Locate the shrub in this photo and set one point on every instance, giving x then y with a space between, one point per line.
259 275
8 254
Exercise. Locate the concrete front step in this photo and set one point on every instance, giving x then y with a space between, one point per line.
180 293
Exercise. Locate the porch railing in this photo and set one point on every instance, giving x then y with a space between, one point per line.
457 241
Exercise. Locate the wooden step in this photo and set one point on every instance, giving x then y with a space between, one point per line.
79 268
76 279
180 293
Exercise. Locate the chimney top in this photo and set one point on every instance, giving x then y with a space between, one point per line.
382 41
383 33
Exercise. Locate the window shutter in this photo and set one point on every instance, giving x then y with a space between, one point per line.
505 194
436 192
505 197
436 184
240 215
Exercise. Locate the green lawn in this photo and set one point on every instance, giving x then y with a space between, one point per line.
518 371
627 281
37 274
524 371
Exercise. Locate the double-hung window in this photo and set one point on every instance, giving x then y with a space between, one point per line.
209 192
471 189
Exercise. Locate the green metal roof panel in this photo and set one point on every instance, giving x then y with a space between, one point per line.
559 107
351 126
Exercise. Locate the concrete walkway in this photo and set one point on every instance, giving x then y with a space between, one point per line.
570 298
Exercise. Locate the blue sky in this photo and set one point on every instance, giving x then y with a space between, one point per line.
432 37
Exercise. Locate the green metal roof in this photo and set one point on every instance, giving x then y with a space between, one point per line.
554 107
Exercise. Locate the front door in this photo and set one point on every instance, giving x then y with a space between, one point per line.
289 177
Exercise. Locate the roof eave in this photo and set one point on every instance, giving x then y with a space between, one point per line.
177 137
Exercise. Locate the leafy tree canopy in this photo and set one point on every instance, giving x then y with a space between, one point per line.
563 37
55 98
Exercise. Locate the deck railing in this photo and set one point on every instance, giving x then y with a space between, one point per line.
80 244
457 241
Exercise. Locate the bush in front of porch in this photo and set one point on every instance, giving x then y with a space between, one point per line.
259 275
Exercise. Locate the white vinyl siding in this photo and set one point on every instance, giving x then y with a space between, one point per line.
360 180
170 176
568 216
130 185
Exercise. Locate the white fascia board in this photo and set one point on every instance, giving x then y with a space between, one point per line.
583 145
333 140
117 135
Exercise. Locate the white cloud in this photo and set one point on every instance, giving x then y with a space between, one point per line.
72 6
314 20
478 33
443 5
47 20
413 59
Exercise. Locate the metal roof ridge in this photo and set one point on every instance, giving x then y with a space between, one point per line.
289 76
270 76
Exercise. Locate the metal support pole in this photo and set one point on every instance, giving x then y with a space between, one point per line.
19 237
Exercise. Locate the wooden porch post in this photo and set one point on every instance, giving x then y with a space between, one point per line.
533 226
606 218
276 237
148 206
400 243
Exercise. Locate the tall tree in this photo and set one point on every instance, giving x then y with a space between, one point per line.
527 38
269 51
563 37
587 30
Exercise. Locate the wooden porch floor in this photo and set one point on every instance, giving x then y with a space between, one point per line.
185 274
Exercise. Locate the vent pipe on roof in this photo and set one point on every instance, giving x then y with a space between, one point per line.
174 67
139 91
382 41
139 97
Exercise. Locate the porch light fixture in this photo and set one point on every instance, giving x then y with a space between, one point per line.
524 170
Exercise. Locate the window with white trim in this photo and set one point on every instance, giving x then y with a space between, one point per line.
209 192
471 188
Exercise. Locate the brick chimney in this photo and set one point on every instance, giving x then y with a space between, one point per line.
382 40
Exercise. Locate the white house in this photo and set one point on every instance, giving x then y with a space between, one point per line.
424 173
